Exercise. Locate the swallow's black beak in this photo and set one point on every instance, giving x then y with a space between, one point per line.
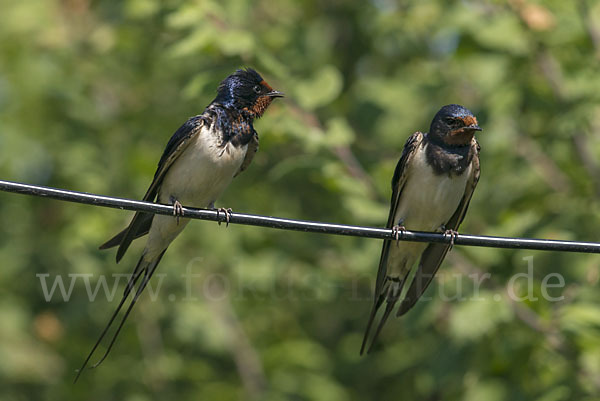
474 127
275 94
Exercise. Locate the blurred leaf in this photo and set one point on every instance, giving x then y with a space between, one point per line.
474 318
324 86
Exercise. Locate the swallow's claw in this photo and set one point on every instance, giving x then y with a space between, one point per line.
396 231
228 212
177 210
453 235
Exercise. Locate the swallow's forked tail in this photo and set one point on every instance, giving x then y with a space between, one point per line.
390 292
143 268
139 226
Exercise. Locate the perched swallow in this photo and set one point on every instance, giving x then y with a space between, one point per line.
432 186
199 162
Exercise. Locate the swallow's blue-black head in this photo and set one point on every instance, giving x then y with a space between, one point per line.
454 125
246 90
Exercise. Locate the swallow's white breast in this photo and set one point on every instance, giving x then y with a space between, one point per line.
428 200
197 178
203 171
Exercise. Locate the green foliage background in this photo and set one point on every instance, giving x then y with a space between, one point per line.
90 91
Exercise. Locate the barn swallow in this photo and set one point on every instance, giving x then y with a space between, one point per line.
199 162
431 189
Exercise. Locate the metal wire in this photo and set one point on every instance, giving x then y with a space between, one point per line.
299 225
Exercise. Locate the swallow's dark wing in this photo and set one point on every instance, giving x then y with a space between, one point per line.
398 182
250 152
141 222
434 254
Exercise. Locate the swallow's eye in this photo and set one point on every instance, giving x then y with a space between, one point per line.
454 122
257 89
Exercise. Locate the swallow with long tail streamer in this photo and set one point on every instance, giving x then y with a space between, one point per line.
199 162
431 190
